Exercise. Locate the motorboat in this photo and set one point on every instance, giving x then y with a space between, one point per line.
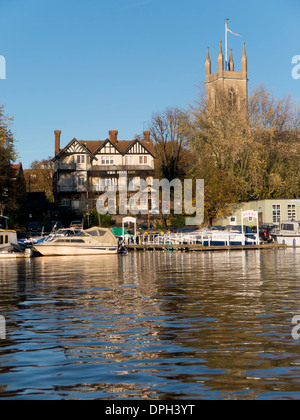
93 241
9 246
230 235
288 233
8 240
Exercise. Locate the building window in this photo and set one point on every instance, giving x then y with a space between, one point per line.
80 159
291 211
232 220
65 202
104 183
81 181
135 182
276 213
75 204
143 160
129 160
107 160
232 97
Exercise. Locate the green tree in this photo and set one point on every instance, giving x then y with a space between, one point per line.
7 156
40 177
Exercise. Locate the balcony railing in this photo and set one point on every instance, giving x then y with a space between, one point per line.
71 188
66 166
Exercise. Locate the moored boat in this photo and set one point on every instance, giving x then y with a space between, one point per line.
233 235
93 241
9 247
288 233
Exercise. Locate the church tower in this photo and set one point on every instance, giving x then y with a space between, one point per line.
234 83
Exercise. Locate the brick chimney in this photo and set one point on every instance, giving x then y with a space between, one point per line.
57 134
113 135
147 136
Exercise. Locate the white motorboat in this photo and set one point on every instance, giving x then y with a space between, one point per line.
93 241
8 240
231 235
9 247
288 233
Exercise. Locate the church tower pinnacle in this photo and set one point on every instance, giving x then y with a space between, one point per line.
232 82
207 63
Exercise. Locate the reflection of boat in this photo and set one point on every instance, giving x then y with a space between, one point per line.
93 241
288 233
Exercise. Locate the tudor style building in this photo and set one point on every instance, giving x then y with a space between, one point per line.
83 169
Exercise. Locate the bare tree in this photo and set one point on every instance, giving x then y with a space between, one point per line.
169 133
244 156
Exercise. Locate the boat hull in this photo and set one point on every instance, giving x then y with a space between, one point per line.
57 250
290 240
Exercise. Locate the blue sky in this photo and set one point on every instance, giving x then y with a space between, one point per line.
89 66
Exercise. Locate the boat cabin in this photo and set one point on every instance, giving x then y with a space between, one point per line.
8 238
289 227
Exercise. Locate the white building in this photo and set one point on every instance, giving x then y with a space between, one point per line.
269 212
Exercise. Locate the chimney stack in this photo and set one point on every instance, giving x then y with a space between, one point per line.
113 135
57 134
147 136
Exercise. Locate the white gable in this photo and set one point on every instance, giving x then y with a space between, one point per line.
75 147
108 149
137 149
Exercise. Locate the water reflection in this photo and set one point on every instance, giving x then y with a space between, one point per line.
151 325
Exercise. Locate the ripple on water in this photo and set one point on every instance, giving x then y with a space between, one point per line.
151 325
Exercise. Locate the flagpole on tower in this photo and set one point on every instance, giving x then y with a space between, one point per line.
226 44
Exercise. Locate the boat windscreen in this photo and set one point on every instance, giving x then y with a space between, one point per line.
97 232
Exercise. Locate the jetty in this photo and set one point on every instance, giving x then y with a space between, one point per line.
201 248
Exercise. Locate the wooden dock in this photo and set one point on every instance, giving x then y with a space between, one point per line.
201 248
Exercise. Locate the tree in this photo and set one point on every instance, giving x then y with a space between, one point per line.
242 155
276 129
7 156
40 177
169 135
223 143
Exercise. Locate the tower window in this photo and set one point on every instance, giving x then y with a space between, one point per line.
232 97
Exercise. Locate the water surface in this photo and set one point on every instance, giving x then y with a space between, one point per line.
151 325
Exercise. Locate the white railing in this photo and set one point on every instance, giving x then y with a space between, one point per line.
167 239
201 238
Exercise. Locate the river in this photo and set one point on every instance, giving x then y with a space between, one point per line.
151 325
